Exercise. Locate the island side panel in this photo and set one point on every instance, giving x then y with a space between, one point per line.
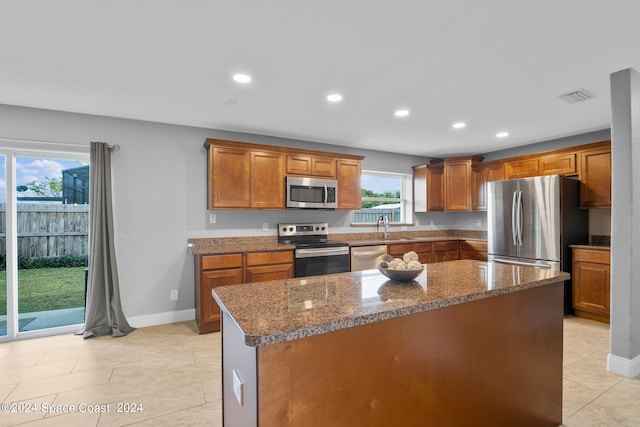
241 358
495 361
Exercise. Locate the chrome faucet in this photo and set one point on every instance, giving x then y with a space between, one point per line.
384 220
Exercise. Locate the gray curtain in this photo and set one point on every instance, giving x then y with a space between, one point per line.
104 314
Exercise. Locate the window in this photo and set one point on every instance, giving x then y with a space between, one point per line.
384 194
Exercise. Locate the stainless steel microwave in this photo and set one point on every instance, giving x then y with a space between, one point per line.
312 193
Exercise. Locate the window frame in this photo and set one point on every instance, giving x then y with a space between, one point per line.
405 200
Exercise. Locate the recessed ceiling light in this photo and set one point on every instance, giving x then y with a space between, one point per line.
334 97
502 134
459 125
401 113
242 78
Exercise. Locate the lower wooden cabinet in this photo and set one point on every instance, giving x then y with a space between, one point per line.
212 271
446 251
473 249
423 249
263 266
591 284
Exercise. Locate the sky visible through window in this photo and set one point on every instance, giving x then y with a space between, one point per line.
29 169
381 184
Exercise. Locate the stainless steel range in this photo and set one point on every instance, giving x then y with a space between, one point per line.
315 254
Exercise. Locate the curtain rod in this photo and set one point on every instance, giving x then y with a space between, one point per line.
114 147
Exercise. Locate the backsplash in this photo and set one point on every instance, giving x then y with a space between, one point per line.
600 240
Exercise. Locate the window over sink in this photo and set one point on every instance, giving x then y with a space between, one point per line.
384 194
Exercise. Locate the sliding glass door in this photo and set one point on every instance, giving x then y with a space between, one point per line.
45 226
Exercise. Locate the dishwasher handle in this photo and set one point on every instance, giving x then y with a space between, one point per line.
368 253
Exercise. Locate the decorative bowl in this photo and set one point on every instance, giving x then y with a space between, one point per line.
400 275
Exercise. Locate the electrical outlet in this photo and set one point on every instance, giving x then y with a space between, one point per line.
173 295
431 223
237 387
265 226
478 223
212 218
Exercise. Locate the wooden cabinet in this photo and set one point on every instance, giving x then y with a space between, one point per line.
267 180
591 284
349 191
262 266
229 183
428 187
595 177
423 249
446 251
213 271
558 164
481 175
521 168
299 164
473 249
243 175
457 184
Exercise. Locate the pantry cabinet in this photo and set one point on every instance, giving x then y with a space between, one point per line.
591 284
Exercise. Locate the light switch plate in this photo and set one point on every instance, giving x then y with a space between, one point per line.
212 218
265 226
237 387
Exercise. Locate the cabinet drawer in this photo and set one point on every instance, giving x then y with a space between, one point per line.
403 248
216 262
596 256
452 245
270 257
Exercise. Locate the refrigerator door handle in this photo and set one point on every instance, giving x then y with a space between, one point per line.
514 225
522 263
520 218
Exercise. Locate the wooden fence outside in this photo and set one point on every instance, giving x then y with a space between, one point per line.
48 229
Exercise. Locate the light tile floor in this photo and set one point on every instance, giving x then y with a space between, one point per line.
169 375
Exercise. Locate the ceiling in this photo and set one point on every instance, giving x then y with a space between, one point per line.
498 65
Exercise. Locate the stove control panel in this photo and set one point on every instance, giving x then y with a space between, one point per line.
313 229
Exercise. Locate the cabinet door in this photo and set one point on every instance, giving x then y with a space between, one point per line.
521 169
435 187
349 192
479 188
229 178
595 178
424 250
473 249
495 171
269 272
267 180
446 251
298 164
323 167
591 288
209 312
457 187
559 164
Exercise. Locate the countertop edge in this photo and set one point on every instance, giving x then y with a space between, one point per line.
303 332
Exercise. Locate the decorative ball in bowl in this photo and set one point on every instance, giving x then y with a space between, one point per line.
400 275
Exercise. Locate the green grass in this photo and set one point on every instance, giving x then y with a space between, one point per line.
42 289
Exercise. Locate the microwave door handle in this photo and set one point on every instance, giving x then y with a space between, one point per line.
326 195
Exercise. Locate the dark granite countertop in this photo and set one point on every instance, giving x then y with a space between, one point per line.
284 310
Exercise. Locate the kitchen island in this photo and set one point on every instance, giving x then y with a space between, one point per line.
466 343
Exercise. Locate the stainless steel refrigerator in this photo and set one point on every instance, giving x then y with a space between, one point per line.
532 221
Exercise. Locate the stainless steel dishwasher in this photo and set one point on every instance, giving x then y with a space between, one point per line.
367 257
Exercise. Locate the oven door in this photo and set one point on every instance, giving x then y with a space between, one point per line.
319 261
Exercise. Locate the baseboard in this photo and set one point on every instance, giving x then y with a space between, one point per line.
629 368
162 318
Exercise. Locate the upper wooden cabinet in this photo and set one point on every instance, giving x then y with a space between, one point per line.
595 177
252 176
349 192
428 187
590 162
298 164
559 164
521 168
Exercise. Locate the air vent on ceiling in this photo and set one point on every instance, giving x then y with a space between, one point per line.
576 96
